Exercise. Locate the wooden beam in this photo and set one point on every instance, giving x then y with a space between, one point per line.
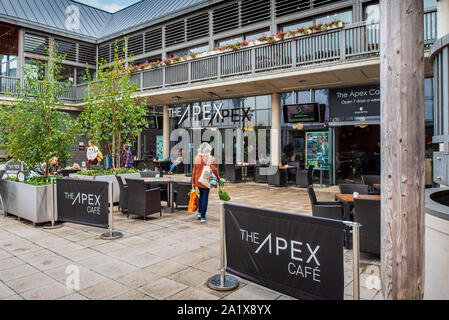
402 151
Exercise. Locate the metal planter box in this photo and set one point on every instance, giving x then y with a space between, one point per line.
32 203
110 178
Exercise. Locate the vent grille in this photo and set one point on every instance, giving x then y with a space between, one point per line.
198 26
319 3
135 45
36 44
153 40
284 7
226 18
87 54
255 11
104 53
175 33
66 48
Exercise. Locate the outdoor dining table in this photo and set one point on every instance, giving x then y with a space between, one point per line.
245 170
348 205
170 188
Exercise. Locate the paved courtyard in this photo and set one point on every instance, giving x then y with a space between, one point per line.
161 258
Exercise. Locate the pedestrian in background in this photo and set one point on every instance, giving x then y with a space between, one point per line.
127 157
202 159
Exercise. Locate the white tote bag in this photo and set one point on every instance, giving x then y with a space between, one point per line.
204 179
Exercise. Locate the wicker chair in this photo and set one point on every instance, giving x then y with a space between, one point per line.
233 173
367 213
325 209
351 188
149 174
279 178
181 194
304 178
370 180
262 178
292 172
123 200
143 201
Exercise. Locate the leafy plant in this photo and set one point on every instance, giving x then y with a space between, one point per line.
35 181
108 172
34 128
113 115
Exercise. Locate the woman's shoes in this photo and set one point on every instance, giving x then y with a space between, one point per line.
203 220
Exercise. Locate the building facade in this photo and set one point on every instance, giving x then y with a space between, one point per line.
329 74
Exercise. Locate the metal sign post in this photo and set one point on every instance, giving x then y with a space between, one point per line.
355 257
111 234
54 224
222 282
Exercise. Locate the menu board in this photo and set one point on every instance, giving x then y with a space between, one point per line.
317 150
296 113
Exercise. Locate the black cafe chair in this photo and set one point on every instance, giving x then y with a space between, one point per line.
233 173
143 201
123 199
258 176
371 180
279 178
181 194
304 178
351 188
325 209
367 213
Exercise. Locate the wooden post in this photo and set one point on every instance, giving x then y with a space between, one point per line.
402 151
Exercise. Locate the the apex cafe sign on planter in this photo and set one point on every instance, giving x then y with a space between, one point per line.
354 102
297 255
83 202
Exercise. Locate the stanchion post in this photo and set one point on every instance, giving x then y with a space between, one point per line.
53 224
222 282
355 257
111 234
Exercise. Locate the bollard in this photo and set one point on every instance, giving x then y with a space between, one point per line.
222 282
111 234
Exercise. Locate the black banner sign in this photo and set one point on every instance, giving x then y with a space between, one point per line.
354 102
83 202
300 256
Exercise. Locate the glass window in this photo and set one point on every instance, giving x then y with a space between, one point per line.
297 25
255 36
229 41
345 16
428 4
303 96
287 98
37 71
81 75
67 73
189 50
428 99
371 13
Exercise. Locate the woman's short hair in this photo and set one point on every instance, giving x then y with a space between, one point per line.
205 149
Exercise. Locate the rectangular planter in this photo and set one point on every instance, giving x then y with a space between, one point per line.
32 203
110 178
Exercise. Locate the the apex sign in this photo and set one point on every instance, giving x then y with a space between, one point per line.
208 112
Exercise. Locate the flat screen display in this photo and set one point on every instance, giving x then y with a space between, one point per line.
296 113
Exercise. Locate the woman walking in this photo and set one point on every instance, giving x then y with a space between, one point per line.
203 158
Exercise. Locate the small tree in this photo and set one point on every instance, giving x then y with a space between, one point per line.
34 128
113 115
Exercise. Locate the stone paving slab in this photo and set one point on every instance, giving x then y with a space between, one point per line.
168 257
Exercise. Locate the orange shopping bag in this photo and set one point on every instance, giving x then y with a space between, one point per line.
193 203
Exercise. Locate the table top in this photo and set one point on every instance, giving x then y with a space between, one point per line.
350 197
376 185
287 167
158 180
161 161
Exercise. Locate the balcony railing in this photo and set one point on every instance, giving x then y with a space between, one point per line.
349 43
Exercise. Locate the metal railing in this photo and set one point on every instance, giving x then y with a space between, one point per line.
357 41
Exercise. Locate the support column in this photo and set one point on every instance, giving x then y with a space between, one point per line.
442 18
402 151
275 134
166 132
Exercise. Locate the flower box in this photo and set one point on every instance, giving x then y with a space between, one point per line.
26 201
